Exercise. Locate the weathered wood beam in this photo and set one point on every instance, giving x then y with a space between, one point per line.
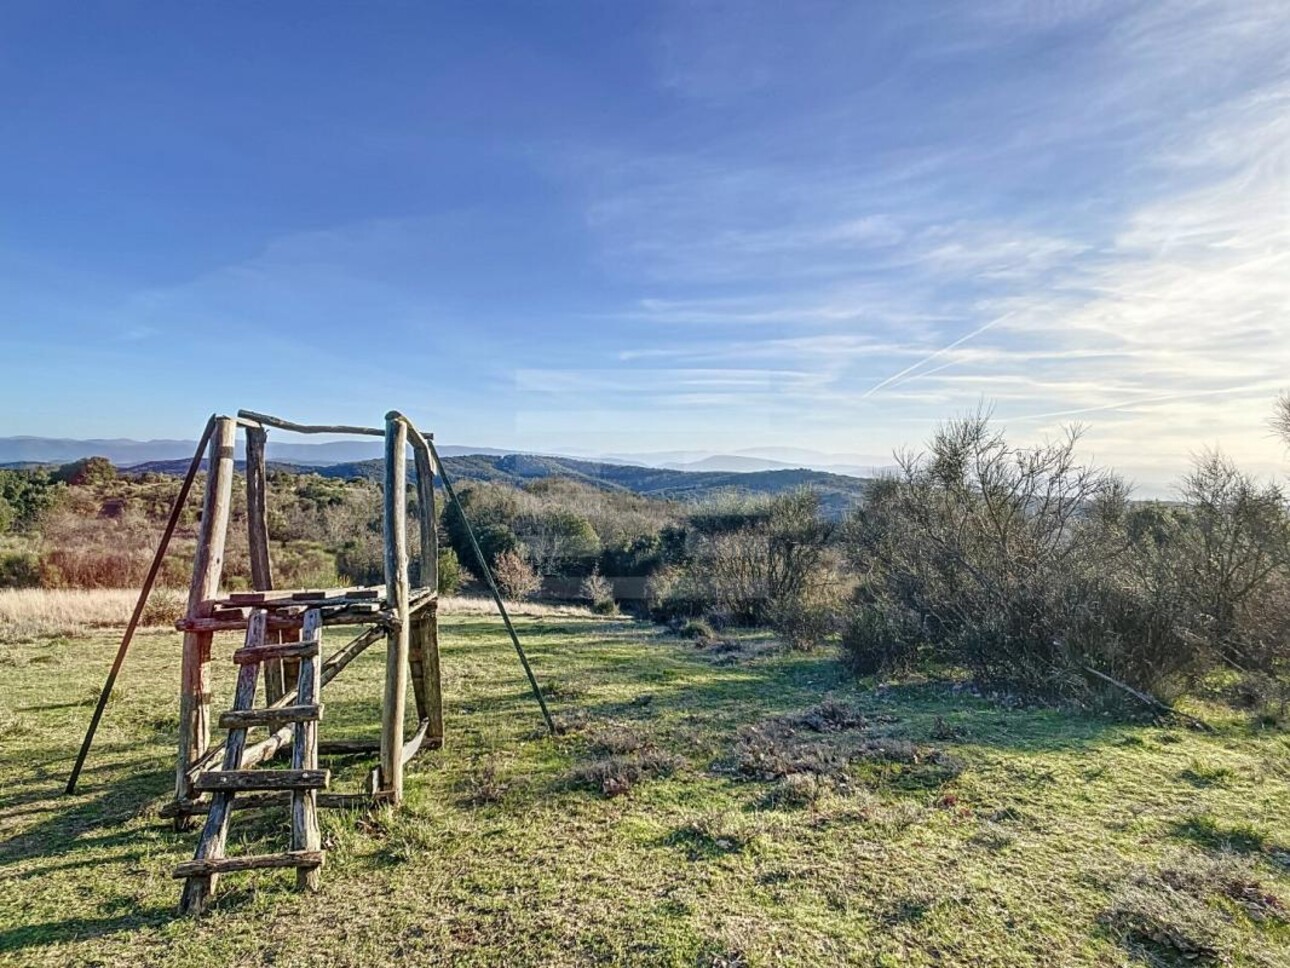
396 595
208 569
199 889
231 780
265 420
304 859
305 835
283 650
276 717
426 627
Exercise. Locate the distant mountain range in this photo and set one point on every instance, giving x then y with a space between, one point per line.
838 492
127 453
692 476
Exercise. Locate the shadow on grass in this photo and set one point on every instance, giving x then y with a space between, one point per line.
1208 833
28 936
69 819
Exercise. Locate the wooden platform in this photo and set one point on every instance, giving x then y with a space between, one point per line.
286 608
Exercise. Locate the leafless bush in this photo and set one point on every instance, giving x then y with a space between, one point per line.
514 576
1281 418
599 591
1029 568
983 554
752 557
807 619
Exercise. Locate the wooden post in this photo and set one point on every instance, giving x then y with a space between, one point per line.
208 568
428 576
425 632
428 632
257 526
304 755
396 590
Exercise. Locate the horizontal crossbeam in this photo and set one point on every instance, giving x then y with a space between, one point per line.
230 780
308 859
275 716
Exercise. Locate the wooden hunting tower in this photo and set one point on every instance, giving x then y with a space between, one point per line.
284 640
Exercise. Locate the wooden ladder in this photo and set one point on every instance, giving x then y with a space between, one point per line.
303 780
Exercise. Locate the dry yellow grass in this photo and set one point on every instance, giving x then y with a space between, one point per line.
27 613
478 605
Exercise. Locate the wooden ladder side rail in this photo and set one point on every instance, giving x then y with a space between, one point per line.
199 887
176 509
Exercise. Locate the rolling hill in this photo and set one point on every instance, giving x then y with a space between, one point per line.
838 492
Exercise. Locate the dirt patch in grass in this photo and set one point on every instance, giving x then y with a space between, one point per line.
486 784
718 834
617 773
1180 911
840 747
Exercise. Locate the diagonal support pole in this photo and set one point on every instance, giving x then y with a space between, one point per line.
148 582
492 586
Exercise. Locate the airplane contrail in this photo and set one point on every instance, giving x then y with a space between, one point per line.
931 356
1262 387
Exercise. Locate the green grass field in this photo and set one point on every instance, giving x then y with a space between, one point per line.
766 809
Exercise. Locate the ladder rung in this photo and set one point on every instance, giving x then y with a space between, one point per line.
233 780
223 865
246 718
284 650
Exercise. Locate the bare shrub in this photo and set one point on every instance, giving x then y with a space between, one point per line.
1232 550
751 557
675 592
514 576
164 607
763 753
807 619
1030 569
1281 418
829 716
19 568
980 552
599 591
796 790
617 741
700 630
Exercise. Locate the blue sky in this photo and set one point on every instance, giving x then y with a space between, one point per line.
630 227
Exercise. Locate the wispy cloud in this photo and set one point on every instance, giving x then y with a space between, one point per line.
1112 243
